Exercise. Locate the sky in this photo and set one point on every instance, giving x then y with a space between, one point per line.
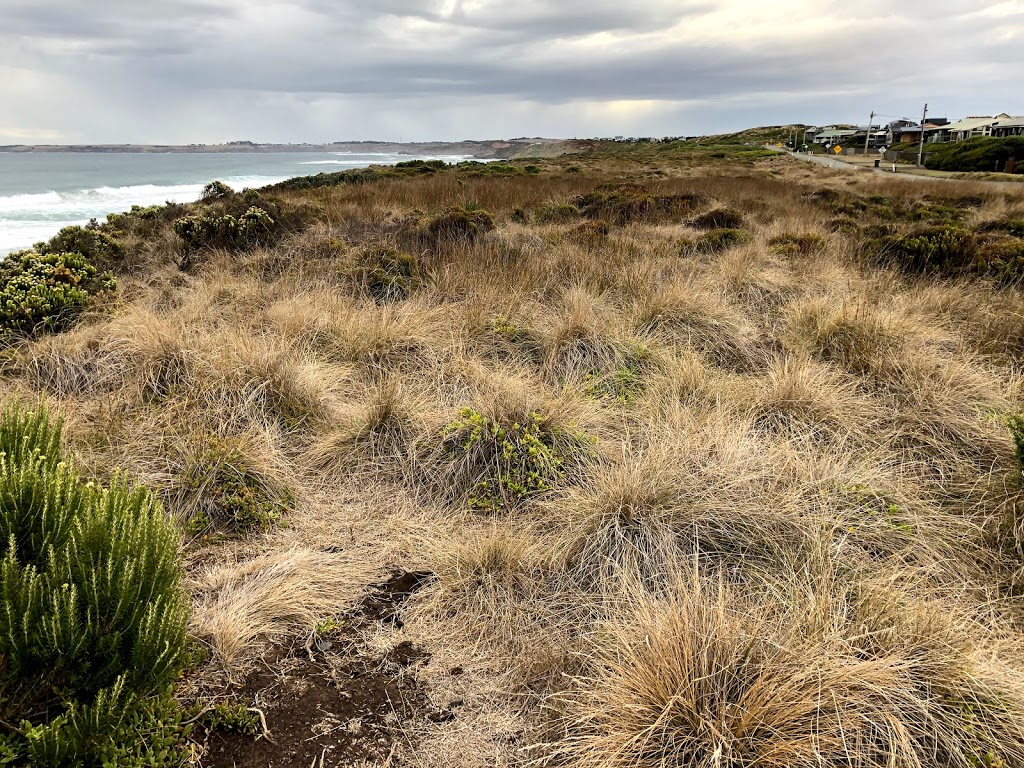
204 71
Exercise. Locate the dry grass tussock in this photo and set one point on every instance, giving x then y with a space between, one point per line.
751 505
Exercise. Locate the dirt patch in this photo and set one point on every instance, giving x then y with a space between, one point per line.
332 701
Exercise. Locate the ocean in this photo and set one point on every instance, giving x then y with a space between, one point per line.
42 192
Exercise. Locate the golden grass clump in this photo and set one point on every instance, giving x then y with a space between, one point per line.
709 677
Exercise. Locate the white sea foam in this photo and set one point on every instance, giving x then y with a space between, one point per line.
26 219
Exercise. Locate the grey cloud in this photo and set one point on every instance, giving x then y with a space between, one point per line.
294 69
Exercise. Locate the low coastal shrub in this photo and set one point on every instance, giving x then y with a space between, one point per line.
983 153
619 204
590 234
798 245
142 221
423 166
717 218
507 463
92 631
387 274
718 240
557 213
231 496
1001 258
207 229
940 250
461 223
1016 427
46 292
98 247
215 190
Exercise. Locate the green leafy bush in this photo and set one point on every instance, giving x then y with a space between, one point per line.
508 463
98 248
210 229
387 274
142 221
215 190
457 223
92 631
46 292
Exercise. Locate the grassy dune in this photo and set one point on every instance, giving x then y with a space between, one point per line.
673 496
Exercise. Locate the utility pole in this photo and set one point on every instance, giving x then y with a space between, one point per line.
867 139
920 151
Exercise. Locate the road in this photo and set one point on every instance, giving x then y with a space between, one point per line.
839 165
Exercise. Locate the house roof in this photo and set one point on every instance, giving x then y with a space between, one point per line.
836 134
973 123
1017 122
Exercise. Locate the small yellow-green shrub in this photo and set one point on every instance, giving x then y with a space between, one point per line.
46 292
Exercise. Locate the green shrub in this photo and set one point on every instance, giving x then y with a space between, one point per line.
798 245
717 218
942 250
457 223
232 496
618 204
422 166
215 190
557 213
718 240
508 463
232 716
46 292
337 179
1002 258
387 274
141 221
98 248
209 229
534 169
92 631
983 153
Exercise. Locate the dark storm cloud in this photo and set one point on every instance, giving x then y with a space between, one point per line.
295 68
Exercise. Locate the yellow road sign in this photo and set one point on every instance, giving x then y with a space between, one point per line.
779 145
838 150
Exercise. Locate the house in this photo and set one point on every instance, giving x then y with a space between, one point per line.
811 133
907 132
1003 128
970 127
837 136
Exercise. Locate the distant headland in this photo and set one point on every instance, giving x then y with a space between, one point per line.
493 149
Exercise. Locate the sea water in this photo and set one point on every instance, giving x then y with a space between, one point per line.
40 192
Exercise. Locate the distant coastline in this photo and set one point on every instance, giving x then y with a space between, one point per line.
481 149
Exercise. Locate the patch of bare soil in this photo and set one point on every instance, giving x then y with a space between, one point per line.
333 701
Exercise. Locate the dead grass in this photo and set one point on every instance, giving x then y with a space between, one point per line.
785 524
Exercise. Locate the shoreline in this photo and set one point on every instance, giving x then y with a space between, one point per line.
481 149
